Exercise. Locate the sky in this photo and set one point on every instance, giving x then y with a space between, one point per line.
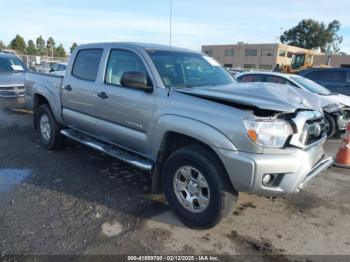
195 22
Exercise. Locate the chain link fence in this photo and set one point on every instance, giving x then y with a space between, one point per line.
35 62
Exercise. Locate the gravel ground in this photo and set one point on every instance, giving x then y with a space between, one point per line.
78 201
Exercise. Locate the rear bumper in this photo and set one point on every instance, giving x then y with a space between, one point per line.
292 170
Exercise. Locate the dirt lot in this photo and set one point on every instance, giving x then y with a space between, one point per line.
78 201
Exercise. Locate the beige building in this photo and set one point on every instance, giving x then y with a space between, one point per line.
253 56
333 61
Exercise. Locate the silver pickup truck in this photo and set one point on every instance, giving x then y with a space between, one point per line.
178 115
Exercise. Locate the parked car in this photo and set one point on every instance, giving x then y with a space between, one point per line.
58 69
12 71
179 115
234 72
43 67
336 80
335 106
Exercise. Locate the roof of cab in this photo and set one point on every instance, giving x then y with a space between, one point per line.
135 45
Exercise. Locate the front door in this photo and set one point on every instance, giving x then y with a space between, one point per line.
125 113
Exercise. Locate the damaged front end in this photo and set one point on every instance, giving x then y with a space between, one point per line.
340 113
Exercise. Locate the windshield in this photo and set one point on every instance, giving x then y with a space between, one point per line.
311 86
11 64
298 61
182 69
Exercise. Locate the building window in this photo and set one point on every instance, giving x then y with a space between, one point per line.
251 52
266 67
249 66
289 54
267 52
282 53
228 65
209 52
229 52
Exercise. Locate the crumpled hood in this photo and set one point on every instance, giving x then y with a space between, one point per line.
15 78
335 99
267 96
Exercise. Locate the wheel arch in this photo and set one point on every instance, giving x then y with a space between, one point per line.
39 99
174 132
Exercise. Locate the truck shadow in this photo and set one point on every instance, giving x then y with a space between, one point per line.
99 179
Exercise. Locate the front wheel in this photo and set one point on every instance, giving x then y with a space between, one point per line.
331 126
196 188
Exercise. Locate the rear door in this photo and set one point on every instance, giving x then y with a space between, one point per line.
79 91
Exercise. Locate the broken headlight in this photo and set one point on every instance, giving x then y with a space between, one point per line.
268 133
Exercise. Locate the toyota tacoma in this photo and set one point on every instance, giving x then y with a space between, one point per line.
178 115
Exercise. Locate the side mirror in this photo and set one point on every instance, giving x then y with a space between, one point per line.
135 80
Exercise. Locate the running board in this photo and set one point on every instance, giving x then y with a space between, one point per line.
121 154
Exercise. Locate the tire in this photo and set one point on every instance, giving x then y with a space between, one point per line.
216 194
49 129
331 125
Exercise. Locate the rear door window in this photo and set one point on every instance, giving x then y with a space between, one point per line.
328 75
315 75
336 76
251 78
86 64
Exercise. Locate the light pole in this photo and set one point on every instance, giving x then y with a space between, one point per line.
170 23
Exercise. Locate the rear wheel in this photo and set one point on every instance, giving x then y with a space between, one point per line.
49 129
331 126
196 188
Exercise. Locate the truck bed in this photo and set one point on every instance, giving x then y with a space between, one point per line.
48 84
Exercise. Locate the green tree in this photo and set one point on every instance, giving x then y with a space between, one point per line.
18 44
59 51
31 48
74 45
40 45
312 34
50 45
2 45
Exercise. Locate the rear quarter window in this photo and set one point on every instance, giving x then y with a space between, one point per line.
86 64
278 80
251 78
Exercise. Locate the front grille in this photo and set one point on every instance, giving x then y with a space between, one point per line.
11 91
6 88
309 128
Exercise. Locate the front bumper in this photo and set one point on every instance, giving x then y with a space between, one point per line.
12 102
293 169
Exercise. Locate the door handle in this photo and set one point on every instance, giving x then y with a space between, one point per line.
68 88
102 95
